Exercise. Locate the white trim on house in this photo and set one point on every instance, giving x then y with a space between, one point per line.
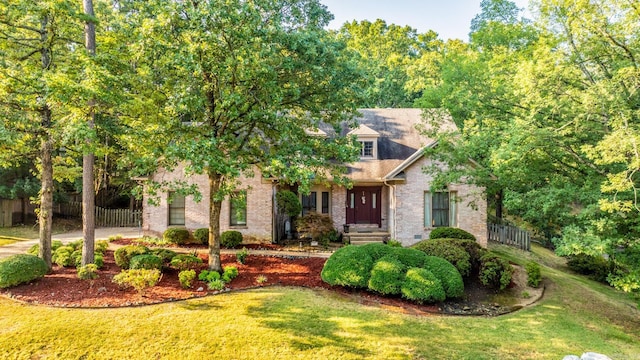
410 161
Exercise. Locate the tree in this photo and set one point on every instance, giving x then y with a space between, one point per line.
35 40
385 52
242 83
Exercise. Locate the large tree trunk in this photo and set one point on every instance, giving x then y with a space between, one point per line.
215 206
45 216
88 159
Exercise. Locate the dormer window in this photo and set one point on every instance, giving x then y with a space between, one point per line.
368 139
366 151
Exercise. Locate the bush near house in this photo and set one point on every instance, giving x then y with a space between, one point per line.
21 268
185 262
201 236
124 254
230 239
165 254
449 251
146 261
178 236
450 233
495 272
384 269
317 227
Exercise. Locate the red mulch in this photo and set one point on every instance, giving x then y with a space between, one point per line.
63 288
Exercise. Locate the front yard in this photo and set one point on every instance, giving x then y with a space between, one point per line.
575 316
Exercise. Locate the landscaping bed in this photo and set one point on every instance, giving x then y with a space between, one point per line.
62 287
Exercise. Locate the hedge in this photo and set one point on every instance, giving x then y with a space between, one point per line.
21 268
495 272
124 254
146 261
178 236
349 266
421 285
449 276
449 251
387 275
230 239
450 233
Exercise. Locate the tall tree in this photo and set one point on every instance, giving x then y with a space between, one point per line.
88 158
35 40
243 81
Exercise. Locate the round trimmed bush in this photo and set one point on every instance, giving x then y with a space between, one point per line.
376 250
474 250
230 239
495 272
407 256
450 233
21 268
387 275
201 236
449 276
124 254
185 262
146 261
349 266
165 254
64 256
178 236
449 251
421 285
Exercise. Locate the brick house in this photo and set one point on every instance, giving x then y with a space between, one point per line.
390 197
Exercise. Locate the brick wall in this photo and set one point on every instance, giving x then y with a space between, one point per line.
408 214
259 207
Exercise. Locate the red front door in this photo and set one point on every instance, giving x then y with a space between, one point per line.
363 205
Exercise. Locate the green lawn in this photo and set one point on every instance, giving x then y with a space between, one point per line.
8 240
575 316
32 231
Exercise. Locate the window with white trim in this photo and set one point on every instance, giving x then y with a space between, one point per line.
367 149
176 209
310 202
440 209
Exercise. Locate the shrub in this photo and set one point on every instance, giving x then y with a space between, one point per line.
21 268
98 259
409 257
76 256
64 256
139 279
179 236
349 266
474 250
115 237
449 276
534 277
387 275
201 236
315 226
449 251
34 249
421 285
229 273
76 245
146 261
124 254
165 255
331 236
216 285
185 262
88 272
495 272
450 233
186 278
101 246
394 243
596 267
376 250
241 255
230 239
208 276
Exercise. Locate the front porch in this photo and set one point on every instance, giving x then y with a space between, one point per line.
360 234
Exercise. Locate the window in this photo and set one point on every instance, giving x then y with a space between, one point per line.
238 209
310 202
440 209
176 209
366 150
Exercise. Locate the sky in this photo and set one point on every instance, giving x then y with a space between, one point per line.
449 18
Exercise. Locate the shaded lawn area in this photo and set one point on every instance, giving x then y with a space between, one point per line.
575 316
8 240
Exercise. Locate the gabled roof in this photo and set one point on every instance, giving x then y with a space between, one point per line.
400 143
364 131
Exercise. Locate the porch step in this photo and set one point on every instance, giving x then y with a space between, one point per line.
361 238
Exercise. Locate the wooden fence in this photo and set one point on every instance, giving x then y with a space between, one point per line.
510 235
104 217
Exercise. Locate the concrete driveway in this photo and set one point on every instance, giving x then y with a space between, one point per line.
21 247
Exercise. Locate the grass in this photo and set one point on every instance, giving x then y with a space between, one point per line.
4 240
32 231
575 316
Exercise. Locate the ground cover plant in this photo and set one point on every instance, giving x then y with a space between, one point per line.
307 323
